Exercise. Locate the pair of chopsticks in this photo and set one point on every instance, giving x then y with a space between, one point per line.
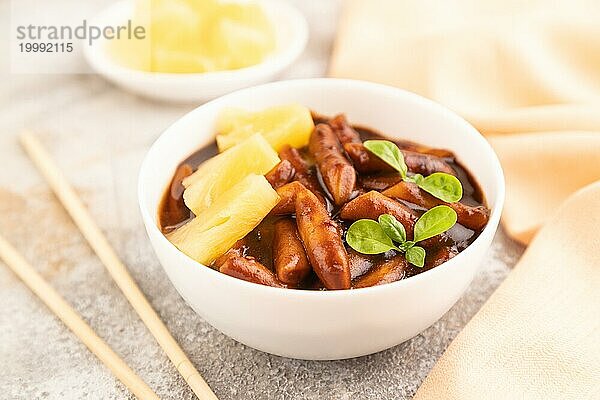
119 273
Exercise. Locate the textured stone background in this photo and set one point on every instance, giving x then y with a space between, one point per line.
99 135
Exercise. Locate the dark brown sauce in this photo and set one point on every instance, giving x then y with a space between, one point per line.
173 213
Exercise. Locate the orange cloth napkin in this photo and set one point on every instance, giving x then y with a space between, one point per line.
509 67
538 336
527 75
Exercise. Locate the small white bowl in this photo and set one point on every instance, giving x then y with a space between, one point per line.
331 324
291 31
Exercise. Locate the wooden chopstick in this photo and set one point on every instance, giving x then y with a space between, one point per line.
73 321
90 230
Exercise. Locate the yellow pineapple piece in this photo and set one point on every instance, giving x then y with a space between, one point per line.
280 125
192 36
216 175
243 35
233 215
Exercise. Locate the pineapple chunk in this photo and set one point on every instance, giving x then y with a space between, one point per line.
280 125
233 216
191 36
215 176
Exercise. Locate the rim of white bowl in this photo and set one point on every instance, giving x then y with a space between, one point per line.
284 56
489 229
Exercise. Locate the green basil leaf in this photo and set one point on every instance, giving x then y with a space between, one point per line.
416 178
366 236
441 185
394 229
406 245
435 221
416 256
388 152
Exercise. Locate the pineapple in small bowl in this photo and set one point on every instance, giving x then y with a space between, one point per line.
196 50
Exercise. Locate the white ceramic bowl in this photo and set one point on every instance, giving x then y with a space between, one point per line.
291 31
332 324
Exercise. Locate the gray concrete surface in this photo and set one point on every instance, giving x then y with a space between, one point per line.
99 135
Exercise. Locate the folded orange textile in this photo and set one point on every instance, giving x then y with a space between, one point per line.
527 75
541 170
508 67
538 336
